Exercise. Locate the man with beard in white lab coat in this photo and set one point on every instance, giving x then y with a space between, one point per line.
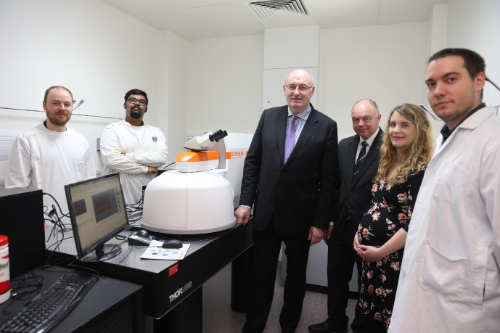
450 279
50 155
132 148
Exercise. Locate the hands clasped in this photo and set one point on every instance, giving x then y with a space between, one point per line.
367 253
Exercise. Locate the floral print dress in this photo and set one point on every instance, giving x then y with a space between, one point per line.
390 210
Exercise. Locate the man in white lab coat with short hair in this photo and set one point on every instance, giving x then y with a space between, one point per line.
132 148
450 280
51 155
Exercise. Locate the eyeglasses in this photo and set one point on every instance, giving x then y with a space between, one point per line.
134 100
292 87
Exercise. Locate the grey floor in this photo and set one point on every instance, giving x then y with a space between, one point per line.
219 317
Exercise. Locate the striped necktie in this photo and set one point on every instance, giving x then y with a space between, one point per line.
361 159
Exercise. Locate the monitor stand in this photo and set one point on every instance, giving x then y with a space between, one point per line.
103 252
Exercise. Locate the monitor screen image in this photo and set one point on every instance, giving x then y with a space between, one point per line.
105 205
97 213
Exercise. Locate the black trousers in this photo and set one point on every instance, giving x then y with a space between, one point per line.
267 245
341 260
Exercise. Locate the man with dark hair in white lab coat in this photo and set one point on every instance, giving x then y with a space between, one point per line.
132 148
450 280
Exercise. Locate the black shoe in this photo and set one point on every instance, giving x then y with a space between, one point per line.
328 327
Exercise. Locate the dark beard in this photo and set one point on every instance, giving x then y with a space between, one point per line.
136 113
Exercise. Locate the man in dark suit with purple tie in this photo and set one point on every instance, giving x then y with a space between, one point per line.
290 177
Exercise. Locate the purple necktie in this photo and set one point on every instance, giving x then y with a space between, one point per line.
290 138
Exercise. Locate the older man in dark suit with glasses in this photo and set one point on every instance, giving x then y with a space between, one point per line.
290 176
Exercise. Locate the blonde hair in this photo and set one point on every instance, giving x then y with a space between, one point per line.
413 159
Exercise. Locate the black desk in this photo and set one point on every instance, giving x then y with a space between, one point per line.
168 283
109 306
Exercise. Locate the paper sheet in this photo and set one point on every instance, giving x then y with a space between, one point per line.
6 139
155 251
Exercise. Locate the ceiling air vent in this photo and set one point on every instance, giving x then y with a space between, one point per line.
266 9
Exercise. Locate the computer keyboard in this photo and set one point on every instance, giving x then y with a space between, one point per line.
51 306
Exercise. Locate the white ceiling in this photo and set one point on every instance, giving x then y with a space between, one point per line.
200 19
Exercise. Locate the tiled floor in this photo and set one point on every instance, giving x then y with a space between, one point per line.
218 317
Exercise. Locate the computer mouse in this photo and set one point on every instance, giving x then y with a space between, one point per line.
172 244
143 233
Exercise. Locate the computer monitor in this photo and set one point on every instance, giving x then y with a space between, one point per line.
97 212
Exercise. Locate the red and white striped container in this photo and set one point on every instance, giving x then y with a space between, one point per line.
4 269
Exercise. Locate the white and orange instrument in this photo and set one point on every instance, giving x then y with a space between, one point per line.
198 197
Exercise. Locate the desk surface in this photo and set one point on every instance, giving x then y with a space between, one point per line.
168 282
131 255
104 295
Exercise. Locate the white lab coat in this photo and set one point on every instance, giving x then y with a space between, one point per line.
450 278
48 160
143 146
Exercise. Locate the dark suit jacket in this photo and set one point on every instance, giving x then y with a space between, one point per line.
355 194
301 192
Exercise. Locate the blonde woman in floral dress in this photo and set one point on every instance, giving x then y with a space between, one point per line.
406 150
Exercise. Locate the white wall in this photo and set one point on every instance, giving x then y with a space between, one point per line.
476 25
385 63
225 84
95 50
281 56
173 91
281 51
438 27
436 33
